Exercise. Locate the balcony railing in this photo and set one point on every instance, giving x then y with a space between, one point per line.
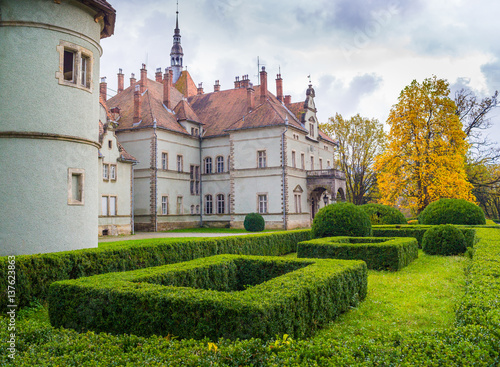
326 173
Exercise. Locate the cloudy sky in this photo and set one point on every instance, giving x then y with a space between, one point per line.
359 53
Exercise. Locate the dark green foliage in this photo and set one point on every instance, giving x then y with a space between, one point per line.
379 253
341 219
383 214
445 240
229 296
36 272
452 211
418 231
254 222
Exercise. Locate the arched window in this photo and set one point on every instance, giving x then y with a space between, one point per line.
208 204
220 164
208 165
220 204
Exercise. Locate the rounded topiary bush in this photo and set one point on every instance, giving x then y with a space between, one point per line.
452 211
383 214
254 222
444 239
341 219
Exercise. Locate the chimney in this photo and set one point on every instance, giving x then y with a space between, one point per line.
103 88
200 88
144 78
250 97
245 81
158 75
279 88
120 81
263 85
167 85
216 86
288 100
237 82
132 79
137 104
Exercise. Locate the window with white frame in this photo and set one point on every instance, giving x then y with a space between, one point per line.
194 174
76 184
208 204
164 205
220 164
294 163
164 160
108 205
298 203
262 203
75 65
180 164
180 206
105 171
220 204
208 165
261 159
311 129
112 172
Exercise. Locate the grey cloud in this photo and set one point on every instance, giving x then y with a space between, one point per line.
491 72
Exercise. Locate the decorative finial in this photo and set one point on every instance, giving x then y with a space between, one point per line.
309 76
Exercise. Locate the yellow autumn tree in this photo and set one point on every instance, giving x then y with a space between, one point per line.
425 156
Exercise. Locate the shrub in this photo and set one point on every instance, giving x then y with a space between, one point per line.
379 253
452 211
383 214
36 272
444 239
229 296
341 219
254 222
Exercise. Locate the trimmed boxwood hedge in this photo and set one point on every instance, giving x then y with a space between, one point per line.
452 211
341 219
445 239
226 296
418 231
34 273
254 222
383 214
379 253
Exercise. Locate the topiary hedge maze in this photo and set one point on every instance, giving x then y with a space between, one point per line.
226 296
379 253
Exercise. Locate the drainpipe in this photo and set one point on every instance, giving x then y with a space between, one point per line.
155 162
132 203
201 181
285 226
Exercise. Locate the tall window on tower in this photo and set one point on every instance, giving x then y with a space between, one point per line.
75 65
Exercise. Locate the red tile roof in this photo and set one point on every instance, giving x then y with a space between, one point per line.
185 84
183 111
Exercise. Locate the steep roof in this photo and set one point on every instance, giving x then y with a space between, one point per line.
151 108
183 111
108 13
297 109
185 84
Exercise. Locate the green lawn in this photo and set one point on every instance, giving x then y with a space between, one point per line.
150 241
217 230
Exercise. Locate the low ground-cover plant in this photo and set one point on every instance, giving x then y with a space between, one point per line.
226 296
452 211
445 240
383 214
35 273
254 222
379 253
341 219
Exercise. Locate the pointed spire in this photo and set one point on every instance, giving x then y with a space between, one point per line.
176 54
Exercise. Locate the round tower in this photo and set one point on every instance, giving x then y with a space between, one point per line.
49 128
176 54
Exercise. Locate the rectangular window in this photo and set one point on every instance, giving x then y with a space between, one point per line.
220 164
164 160
328 165
112 205
302 161
179 164
110 144
180 207
75 65
294 163
208 165
195 131
104 205
164 205
261 159
262 199
105 171
192 209
112 171
220 204
311 129
298 204
194 179
312 163
69 66
85 80
76 183
321 163
208 204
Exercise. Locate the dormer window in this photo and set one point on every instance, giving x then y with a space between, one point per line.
75 66
110 144
311 129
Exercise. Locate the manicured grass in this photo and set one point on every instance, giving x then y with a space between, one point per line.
149 241
420 297
217 230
